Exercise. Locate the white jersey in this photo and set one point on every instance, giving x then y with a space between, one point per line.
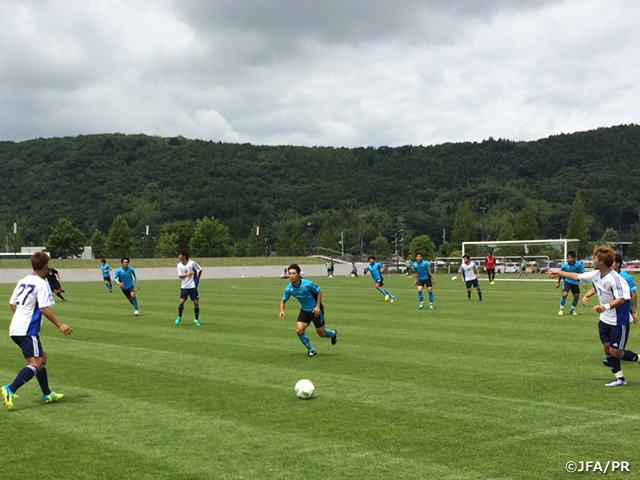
30 295
192 280
468 271
610 287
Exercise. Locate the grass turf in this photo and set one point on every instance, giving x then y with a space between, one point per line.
499 389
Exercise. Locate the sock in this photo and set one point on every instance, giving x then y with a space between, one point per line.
629 356
563 300
430 297
480 294
305 341
60 295
469 295
180 310
382 291
420 297
387 292
108 286
196 311
134 302
614 364
573 304
330 333
26 374
43 380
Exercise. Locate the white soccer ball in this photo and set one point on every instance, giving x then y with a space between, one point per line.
304 389
454 277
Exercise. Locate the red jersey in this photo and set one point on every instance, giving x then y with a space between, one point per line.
490 262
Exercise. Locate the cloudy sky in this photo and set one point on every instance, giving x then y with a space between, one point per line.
318 72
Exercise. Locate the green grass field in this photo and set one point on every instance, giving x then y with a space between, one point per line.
501 389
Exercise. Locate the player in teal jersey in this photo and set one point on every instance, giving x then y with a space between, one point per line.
423 278
376 269
523 268
311 309
106 274
408 266
125 276
569 285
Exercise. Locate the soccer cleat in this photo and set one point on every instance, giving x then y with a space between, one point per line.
605 362
492 283
393 299
573 312
136 312
421 306
8 396
177 322
197 323
334 340
618 382
312 353
431 306
52 397
386 298
561 312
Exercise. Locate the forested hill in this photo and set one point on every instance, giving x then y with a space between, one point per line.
152 180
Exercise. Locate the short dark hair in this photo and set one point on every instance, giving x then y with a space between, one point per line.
39 260
125 258
619 260
571 253
294 266
103 260
419 253
371 256
184 252
466 256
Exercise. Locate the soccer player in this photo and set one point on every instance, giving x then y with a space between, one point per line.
30 303
311 309
408 264
189 272
376 269
106 274
423 277
125 276
613 293
490 267
53 277
329 265
469 274
571 265
354 270
523 268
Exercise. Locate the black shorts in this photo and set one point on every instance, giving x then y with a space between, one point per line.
308 317
571 287
423 283
491 270
380 282
55 286
107 278
472 283
128 291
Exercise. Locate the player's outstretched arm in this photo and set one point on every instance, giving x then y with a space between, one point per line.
46 311
282 304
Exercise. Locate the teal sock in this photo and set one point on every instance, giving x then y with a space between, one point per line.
305 341
420 297
108 286
563 300
134 302
387 292
573 304
383 291
330 333
430 297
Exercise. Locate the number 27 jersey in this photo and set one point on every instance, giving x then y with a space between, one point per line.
30 295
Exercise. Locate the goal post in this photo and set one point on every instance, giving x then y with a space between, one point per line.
562 243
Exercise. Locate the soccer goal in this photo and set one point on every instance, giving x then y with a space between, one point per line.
529 249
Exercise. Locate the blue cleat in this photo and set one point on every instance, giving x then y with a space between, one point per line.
334 340
52 397
197 323
177 322
8 396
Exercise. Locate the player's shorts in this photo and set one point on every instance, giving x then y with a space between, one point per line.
491 270
107 278
423 283
308 317
192 293
614 335
128 291
30 345
472 283
571 287
55 286
380 281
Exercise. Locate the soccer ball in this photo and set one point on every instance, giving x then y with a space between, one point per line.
454 277
304 389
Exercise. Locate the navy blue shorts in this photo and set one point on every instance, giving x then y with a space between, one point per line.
472 283
380 281
192 293
128 291
30 345
615 335
307 317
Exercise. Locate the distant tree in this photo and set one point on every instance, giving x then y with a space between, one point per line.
240 248
464 228
445 250
609 236
634 248
98 244
423 244
327 236
167 245
183 229
283 242
298 244
578 226
65 240
210 239
381 246
256 243
120 243
506 230
526 227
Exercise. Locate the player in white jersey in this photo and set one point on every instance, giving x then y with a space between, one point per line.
613 294
30 303
189 272
469 275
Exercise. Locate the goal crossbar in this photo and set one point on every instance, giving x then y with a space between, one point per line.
557 241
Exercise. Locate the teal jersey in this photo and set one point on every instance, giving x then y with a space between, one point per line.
306 293
105 270
374 270
422 269
126 277
577 267
629 279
